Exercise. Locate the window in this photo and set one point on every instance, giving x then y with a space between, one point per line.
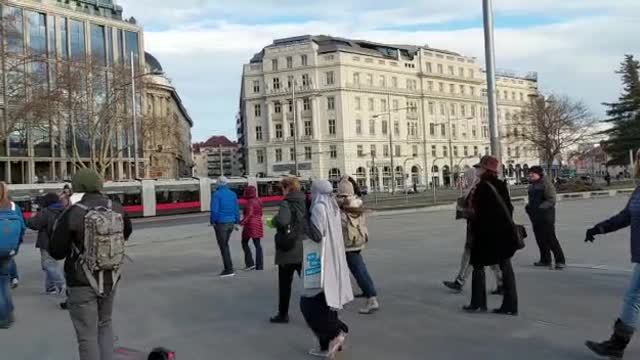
475 151
452 109
471 73
396 128
331 103
411 84
370 79
383 81
276 84
463 110
440 69
306 104
330 77
306 80
442 111
257 110
474 131
356 78
451 70
279 132
431 106
274 64
445 151
509 152
521 97
466 151
304 60
506 95
454 133
513 95
428 67
486 150
77 39
452 88
434 151
461 72
308 129
485 132
414 151
395 105
333 151
462 91
260 156
398 151
372 127
472 91
292 129
259 133
430 85
292 154
432 129
289 62
332 126
277 107
394 82
358 127
360 151
371 104
278 155
441 87
385 127
515 132
385 151
443 130
307 152
64 37
38 34
517 151
383 105
290 81
290 105
358 104
473 110
256 86
413 128
455 151
373 150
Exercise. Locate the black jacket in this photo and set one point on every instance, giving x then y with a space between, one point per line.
70 230
292 211
43 222
542 200
493 235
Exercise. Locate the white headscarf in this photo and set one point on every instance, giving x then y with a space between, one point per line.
325 216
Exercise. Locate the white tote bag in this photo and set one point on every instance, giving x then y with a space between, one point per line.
312 264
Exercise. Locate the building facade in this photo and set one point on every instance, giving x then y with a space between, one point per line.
378 112
216 157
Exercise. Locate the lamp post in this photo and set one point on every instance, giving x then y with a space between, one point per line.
490 59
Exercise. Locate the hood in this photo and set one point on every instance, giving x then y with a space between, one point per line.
87 181
250 192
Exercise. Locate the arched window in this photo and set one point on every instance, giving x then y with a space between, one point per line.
373 178
415 175
386 176
361 176
334 174
435 169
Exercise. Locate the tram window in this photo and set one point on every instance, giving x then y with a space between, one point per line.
176 196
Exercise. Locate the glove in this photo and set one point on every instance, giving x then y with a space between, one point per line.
591 233
270 224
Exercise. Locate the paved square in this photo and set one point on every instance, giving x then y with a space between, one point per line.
171 296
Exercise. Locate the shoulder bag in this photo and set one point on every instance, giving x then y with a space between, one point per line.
520 232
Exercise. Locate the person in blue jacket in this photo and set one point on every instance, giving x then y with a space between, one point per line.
225 216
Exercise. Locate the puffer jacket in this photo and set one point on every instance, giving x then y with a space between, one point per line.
292 214
629 216
43 223
354 224
224 206
252 215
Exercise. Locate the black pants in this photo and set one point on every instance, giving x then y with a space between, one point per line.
285 278
248 256
544 228
323 321
223 233
479 287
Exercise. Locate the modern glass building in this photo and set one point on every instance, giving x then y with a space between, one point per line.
58 31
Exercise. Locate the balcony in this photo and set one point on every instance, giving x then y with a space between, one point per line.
378 88
284 90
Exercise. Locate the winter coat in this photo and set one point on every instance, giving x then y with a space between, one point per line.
629 216
252 215
43 223
291 214
15 209
542 201
354 224
492 232
224 206
70 231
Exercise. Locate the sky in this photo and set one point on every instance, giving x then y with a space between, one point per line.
575 45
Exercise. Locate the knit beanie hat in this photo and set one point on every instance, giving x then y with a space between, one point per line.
345 188
86 181
537 170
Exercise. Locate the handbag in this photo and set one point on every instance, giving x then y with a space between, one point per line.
520 232
312 264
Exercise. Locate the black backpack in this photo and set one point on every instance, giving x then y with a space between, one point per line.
286 240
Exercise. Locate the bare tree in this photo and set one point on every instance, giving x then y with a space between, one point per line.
553 125
163 141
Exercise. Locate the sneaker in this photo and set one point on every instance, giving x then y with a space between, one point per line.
372 306
561 266
15 283
249 268
336 345
453 285
279 319
51 292
64 305
6 324
225 274
360 296
319 353
541 264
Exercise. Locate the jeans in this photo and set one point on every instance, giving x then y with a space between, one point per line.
631 309
466 270
359 270
544 228
54 280
479 287
91 317
322 320
223 233
248 256
6 302
13 269
285 277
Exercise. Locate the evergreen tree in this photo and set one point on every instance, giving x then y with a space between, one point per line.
624 115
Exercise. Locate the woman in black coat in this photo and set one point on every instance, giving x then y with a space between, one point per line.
494 241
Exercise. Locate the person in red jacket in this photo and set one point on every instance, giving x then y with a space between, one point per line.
252 228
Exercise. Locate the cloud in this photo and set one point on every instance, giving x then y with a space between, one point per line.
203 44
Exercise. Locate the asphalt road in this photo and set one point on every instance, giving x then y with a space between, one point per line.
171 296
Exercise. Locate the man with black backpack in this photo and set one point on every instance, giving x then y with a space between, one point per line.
91 236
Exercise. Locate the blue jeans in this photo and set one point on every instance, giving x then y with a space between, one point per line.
13 270
54 279
359 271
631 308
6 303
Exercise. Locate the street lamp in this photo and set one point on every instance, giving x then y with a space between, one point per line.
490 60
450 143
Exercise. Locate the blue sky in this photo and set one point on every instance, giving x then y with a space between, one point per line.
574 45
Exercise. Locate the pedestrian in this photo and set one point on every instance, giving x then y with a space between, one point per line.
252 229
629 319
225 216
494 238
327 287
91 283
290 232
356 237
43 222
12 230
472 178
542 212
607 178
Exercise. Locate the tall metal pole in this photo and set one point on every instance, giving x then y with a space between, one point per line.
490 59
450 147
135 120
391 130
221 162
295 127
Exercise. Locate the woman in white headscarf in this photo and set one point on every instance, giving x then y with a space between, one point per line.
327 286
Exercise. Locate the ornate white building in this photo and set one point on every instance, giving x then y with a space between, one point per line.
364 108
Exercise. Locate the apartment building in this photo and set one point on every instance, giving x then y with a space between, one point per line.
217 156
378 112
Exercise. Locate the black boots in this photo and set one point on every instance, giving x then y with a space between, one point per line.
614 347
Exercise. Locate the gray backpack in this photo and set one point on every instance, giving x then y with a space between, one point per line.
104 245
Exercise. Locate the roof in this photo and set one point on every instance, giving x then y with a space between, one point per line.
153 63
216 141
